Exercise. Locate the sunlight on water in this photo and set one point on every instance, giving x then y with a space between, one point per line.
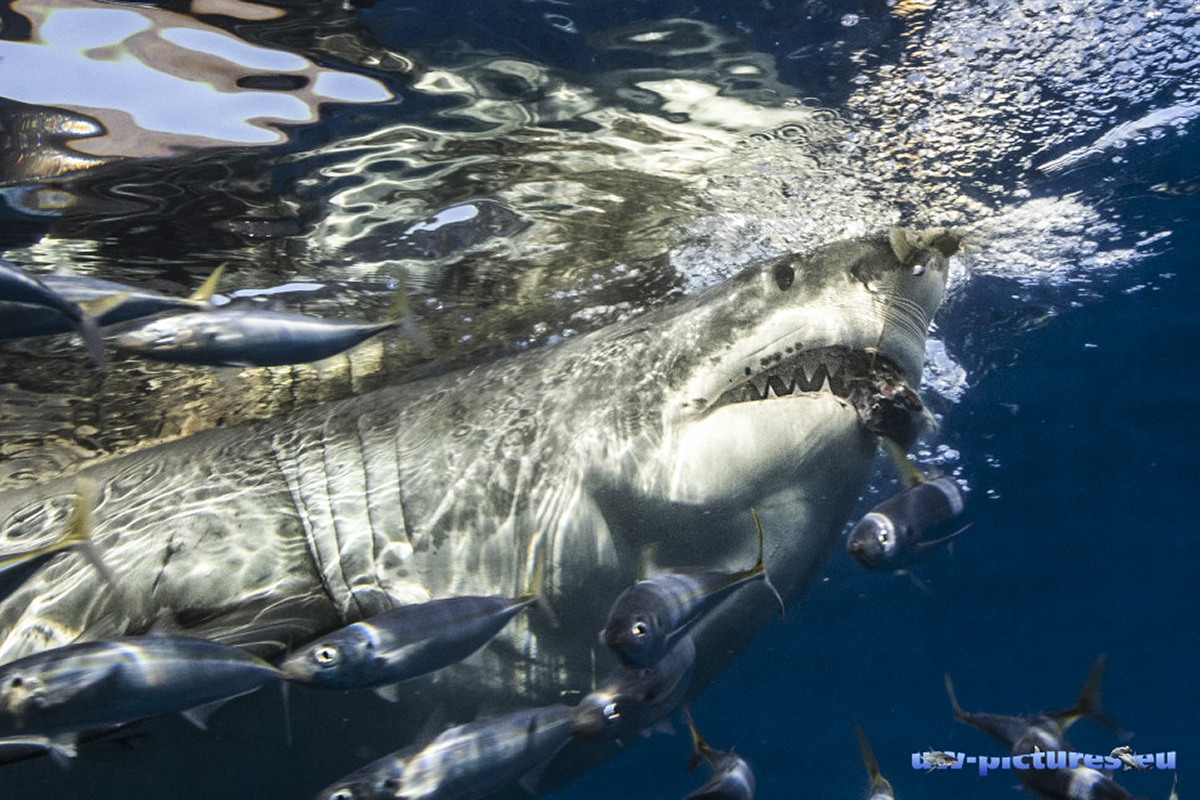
158 82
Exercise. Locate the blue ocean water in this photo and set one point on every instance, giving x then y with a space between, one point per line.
1059 138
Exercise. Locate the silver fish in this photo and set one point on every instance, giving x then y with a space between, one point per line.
480 758
110 302
103 683
879 789
632 700
245 337
732 778
19 286
648 618
379 780
890 538
403 643
1045 733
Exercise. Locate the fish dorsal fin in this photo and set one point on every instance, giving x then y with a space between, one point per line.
868 756
102 305
648 562
759 567
700 749
535 591
910 475
204 293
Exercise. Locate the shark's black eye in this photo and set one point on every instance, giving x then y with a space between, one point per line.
784 274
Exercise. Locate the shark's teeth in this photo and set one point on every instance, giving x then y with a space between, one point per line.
833 370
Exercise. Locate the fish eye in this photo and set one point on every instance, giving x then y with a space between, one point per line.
326 655
918 269
610 711
886 538
784 275
342 794
640 628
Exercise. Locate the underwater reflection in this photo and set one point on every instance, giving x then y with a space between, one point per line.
137 81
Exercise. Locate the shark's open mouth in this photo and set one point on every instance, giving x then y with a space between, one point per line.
871 383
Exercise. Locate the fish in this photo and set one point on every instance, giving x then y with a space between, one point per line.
245 337
475 760
109 302
879 789
405 642
1128 759
761 391
98 684
378 780
648 618
889 537
19 286
731 779
1045 733
632 700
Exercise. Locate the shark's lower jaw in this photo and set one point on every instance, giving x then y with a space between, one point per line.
871 383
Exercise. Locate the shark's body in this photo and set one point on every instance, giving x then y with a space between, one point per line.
272 534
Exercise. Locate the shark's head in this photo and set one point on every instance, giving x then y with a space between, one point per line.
826 321
841 328
782 382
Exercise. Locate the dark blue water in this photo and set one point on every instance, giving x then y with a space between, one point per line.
1075 426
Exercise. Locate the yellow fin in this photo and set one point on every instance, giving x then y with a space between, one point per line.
910 475
206 290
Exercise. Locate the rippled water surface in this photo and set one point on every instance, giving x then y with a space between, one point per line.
527 171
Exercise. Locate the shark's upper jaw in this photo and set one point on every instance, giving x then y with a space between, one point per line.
872 383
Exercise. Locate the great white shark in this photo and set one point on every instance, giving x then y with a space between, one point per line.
768 391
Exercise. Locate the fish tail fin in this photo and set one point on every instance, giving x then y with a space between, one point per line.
79 529
400 315
205 291
760 568
1087 705
89 331
959 714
